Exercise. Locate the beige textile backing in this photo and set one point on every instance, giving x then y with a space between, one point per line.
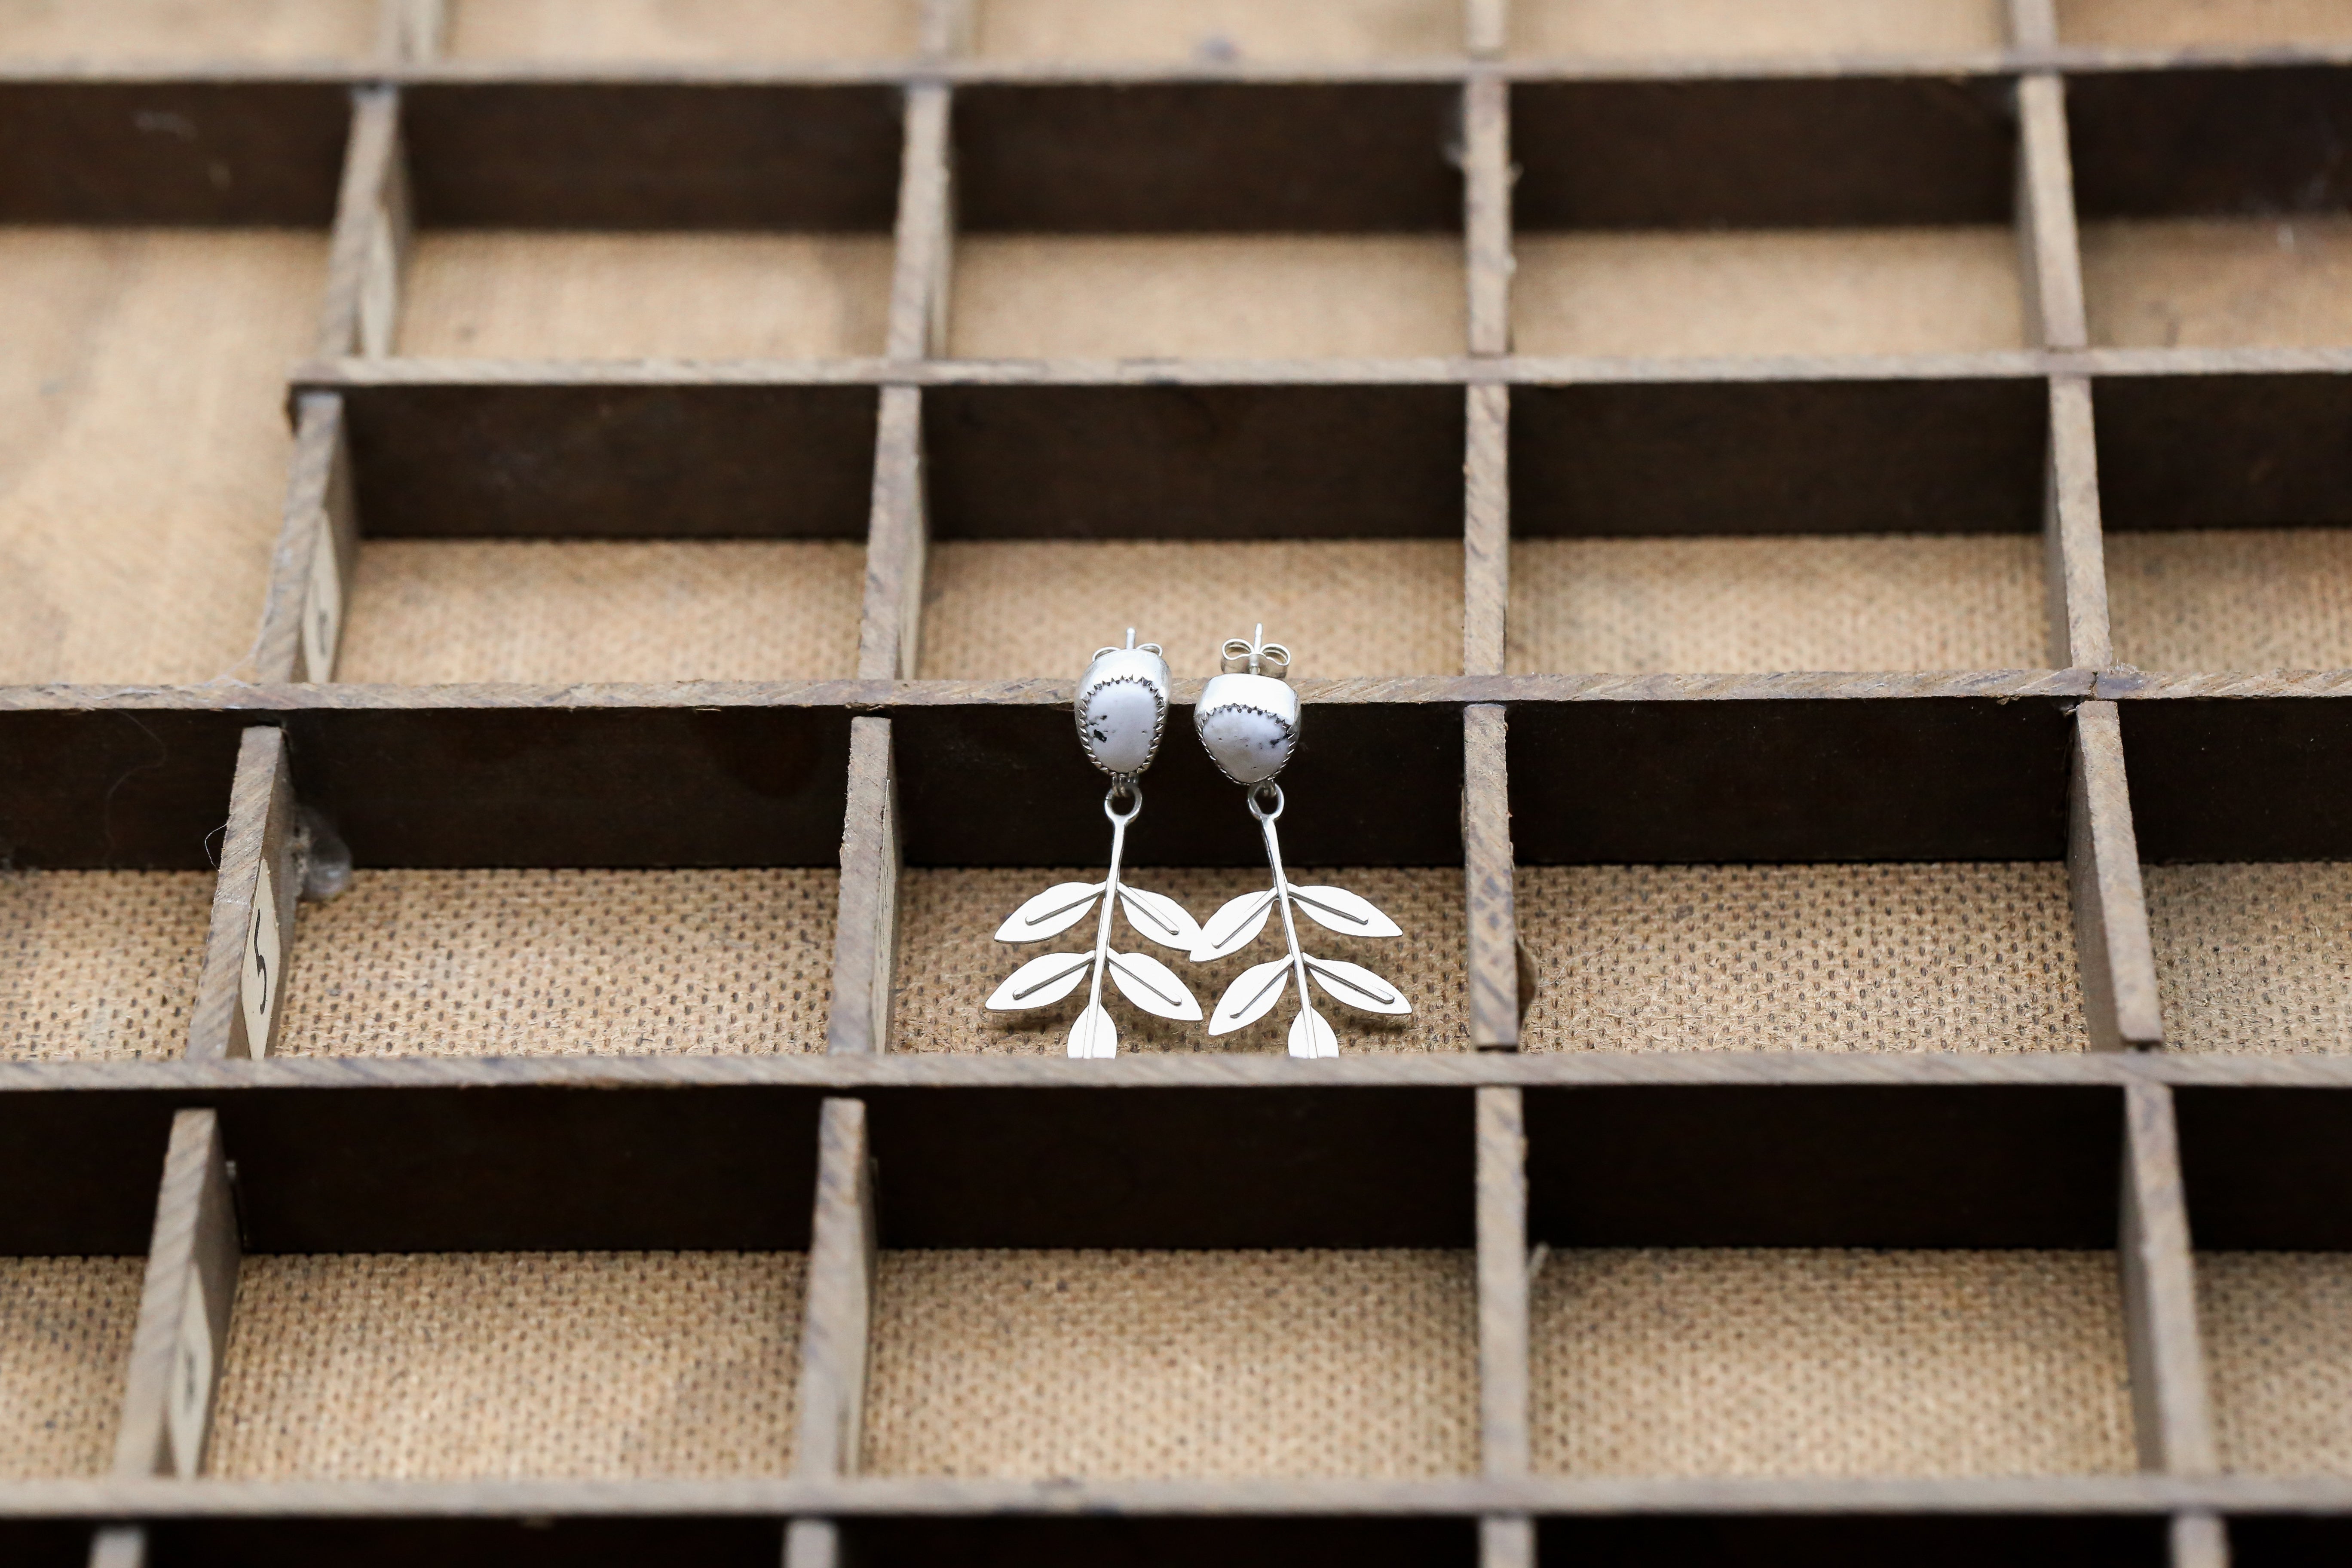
564 962
502 294
1927 957
682 29
435 611
994 609
1732 1361
2232 598
2220 282
423 1366
2277 1328
99 964
1726 606
949 959
1718 27
1759 291
187 30
1174 1364
1207 296
2203 21
1328 31
65 1340
143 445
2253 958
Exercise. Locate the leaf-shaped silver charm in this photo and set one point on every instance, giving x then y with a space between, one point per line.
1042 981
1153 987
1311 1036
1234 927
1094 1034
1251 997
1159 917
1336 909
1050 914
1358 987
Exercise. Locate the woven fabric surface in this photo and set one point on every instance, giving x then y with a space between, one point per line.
564 962
1714 29
1328 31
2277 1328
422 1366
1732 1361
188 29
994 609
143 445
1207 296
1174 1364
2167 22
1723 606
2220 282
100 963
1818 291
500 294
2253 958
662 30
65 1342
2232 598
949 960
426 612
1901 957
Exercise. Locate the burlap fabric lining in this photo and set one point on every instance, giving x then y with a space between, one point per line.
65 1340
948 961
1714 606
1721 27
2220 282
1173 30
429 612
2278 1356
99 964
1738 1361
567 963
996 609
502 294
1841 291
2252 598
1903 957
188 29
2253 958
1174 1364
143 445
445 1366
658 30
2163 22
1207 296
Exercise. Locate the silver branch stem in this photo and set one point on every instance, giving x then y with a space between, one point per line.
1110 887
1282 898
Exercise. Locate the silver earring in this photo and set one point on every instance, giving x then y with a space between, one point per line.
1122 710
1248 719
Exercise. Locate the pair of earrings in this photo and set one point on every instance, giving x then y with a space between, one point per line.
1248 721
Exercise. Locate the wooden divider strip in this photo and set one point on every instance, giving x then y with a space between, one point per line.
2169 1405
922 262
2045 210
373 225
2076 560
318 549
1504 1541
1488 879
1486 28
2111 931
2200 1540
866 935
118 1546
1486 530
897 539
836 1333
252 929
181 1339
1486 211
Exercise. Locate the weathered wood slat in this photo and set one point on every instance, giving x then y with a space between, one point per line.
182 1340
1486 212
1488 872
317 557
373 225
2111 930
1486 536
865 939
1503 1373
889 639
251 935
2172 1412
2075 574
840 1297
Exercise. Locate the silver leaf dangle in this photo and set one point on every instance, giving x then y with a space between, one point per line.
1122 710
1248 719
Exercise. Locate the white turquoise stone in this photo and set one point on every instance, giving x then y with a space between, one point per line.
1249 723
1121 708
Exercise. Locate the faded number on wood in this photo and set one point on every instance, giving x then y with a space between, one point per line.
192 1383
258 976
322 607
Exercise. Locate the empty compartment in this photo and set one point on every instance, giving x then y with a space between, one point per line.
1724 29
65 1344
564 962
100 963
2254 957
432 612
2163 23
949 963
607 1366
143 445
1891 957
2220 282
677 30
1102 1363
1828 1362
180 30
2277 1352
2242 599
1217 32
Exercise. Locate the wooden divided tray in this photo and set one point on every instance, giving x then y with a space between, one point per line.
544 554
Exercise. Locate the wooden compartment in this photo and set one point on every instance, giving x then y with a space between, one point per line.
2220 282
64 1336
100 963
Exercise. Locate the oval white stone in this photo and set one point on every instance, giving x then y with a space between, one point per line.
1250 746
1121 724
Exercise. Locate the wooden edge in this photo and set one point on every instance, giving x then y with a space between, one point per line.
923 247
2169 1406
181 1339
302 617
1486 532
1486 212
1502 1398
2200 1540
812 1543
1486 28
865 934
1497 1004
410 30
249 937
2075 569
118 1546
369 251
2117 957
840 1297
944 30
897 543
2050 245
2032 24
1507 1541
